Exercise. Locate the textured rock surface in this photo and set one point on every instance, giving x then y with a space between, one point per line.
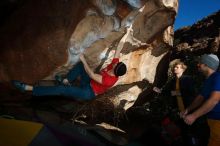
44 34
202 37
49 36
35 37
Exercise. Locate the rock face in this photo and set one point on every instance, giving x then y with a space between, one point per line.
43 38
35 37
202 37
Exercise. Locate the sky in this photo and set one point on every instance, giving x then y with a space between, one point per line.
191 11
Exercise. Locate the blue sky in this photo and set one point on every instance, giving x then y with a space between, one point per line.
190 11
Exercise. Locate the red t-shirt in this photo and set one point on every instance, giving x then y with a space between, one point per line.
107 80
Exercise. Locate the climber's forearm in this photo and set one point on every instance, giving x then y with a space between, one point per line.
122 42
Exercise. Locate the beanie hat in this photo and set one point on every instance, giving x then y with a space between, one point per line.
210 60
120 69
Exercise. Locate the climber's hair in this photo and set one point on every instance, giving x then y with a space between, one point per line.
120 69
183 65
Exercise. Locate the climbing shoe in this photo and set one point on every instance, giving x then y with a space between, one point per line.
19 85
59 79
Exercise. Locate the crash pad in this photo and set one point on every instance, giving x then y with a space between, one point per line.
17 132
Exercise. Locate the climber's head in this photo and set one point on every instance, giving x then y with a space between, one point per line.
120 69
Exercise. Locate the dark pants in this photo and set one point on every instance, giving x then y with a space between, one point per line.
83 92
196 134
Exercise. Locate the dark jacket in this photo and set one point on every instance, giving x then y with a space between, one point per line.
187 89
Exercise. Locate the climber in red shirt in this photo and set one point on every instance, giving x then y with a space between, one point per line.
91 84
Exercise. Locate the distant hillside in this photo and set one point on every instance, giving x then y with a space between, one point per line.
202 37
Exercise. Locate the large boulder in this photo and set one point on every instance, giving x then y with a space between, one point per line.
44 38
